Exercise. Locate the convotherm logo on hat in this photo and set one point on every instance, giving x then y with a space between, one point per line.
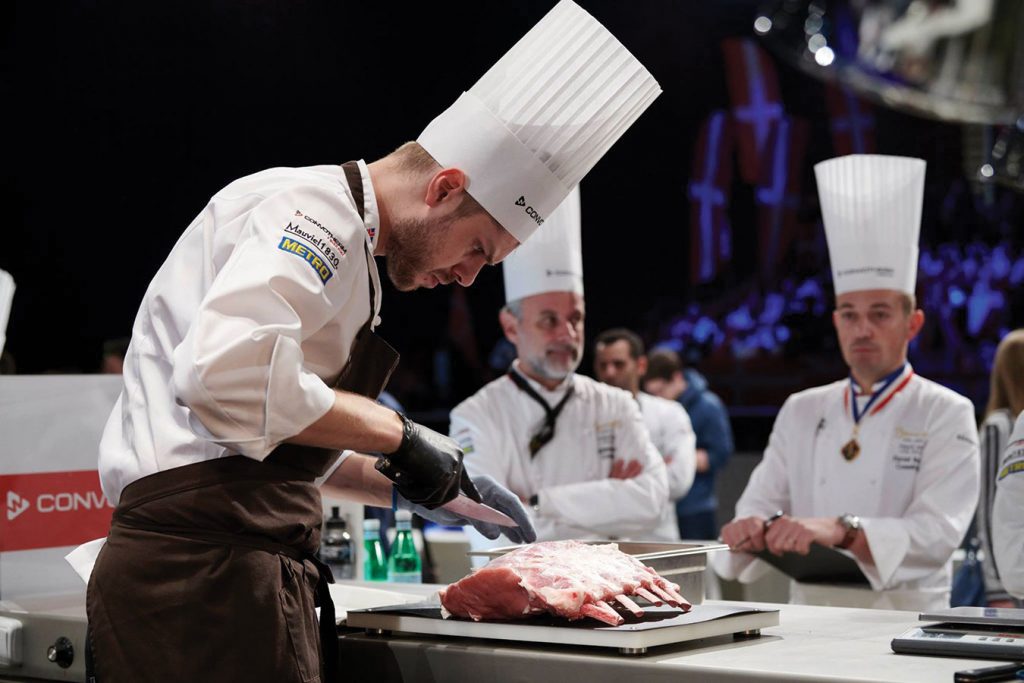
52 510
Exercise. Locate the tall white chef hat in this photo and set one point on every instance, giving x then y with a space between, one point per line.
871 206
540 118
552 261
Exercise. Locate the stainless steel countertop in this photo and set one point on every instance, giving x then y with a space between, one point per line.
811 644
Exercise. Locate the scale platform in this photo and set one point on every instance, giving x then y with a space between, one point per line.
975 632
659 626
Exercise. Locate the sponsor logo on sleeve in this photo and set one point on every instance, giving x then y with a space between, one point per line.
294 246
331 243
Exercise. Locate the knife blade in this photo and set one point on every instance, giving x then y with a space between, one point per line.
465 506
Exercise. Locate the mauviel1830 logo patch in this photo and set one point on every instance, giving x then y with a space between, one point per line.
302 251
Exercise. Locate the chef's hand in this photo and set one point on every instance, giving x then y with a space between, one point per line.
795 534
427 467
789 535
625 469
494 495
744 534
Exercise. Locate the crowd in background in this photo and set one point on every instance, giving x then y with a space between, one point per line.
971 294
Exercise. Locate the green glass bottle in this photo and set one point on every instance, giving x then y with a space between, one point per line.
404 564
375 567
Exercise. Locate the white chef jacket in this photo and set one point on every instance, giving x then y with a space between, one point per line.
1008 514
672 435
914 486
245 325
597 425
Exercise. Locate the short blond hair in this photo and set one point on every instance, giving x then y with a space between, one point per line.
414 161
909 302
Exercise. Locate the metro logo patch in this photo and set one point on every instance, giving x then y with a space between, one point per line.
52 510
308 255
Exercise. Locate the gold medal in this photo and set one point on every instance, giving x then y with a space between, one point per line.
851 450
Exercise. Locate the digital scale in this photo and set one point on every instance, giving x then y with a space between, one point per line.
975 632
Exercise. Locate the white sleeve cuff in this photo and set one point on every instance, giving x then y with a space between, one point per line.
742 567
889 543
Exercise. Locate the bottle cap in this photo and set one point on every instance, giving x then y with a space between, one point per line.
403 516
335 511
371 524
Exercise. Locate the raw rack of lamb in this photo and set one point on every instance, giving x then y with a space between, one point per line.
566 578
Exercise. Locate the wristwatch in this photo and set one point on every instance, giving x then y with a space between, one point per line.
852 525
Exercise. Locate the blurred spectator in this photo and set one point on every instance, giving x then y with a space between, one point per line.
667 378
619 360
114 351
973 292
1006 401
1008 514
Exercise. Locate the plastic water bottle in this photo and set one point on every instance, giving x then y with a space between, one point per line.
375 567
404 564
336 547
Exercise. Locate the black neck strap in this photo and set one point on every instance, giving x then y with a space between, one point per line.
547 430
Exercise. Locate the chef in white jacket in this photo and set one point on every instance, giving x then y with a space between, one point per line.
620 360
1008 514
575 449
883 464
254 361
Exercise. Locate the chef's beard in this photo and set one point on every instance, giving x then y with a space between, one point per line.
541 367
412 245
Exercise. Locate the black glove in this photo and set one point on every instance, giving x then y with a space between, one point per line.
494 495
427 467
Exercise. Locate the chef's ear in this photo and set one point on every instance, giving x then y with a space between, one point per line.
916 323
508 320
447 184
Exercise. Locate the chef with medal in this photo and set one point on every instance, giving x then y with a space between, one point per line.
883 464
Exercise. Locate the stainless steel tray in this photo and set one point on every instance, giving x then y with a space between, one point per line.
659 626
682 563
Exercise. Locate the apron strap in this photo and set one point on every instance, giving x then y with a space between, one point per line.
328 619
355 184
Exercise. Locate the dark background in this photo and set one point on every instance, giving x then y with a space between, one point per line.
124 118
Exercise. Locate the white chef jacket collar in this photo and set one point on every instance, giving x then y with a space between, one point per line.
370 209
558 391
880 384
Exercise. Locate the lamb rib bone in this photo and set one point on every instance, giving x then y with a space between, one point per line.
565 578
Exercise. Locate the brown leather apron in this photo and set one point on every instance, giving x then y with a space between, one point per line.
209 572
